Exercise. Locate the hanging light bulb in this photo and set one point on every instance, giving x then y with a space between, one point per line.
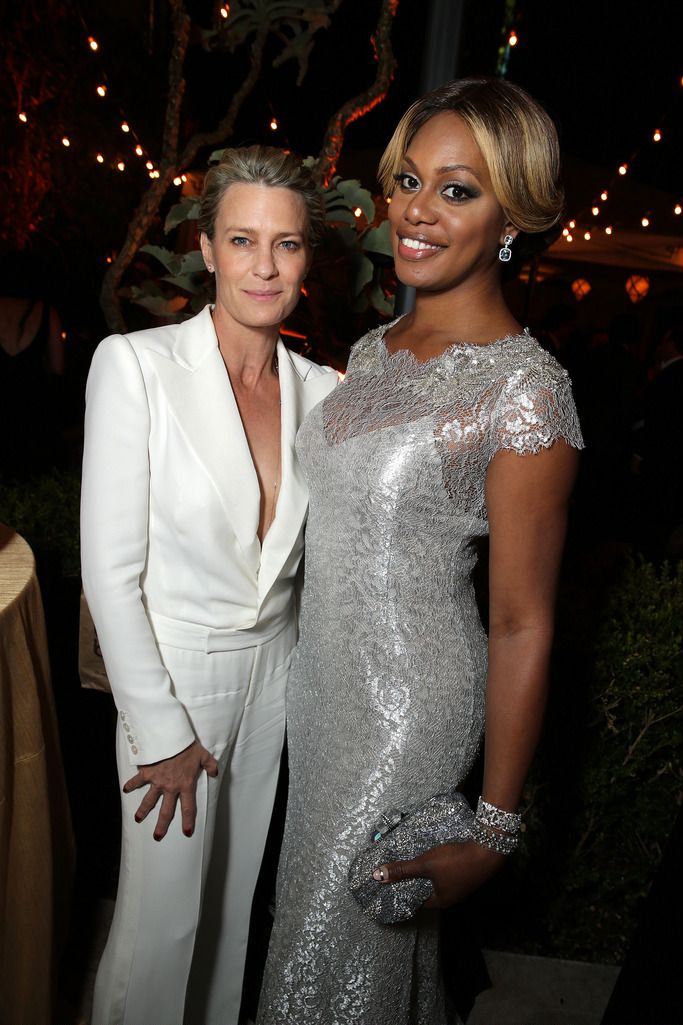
656 135
513 39
565 231
92 43
177 181
623 169
603 195
595 211
125 127
645 221
138 150
101 90
587 236
149 165
273 124
121 166
678 209
608 230
23 117
66 141
570 238
99 158
572 224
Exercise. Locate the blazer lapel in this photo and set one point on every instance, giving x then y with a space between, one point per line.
299 392
197 387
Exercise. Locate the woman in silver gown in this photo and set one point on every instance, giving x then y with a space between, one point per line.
452 423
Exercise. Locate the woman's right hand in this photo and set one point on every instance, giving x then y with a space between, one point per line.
172 780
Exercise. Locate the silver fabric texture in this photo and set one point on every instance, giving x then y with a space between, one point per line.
386 694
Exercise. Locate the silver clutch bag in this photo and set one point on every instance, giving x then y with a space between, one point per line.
399 836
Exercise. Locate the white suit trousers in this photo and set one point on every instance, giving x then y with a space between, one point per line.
177 945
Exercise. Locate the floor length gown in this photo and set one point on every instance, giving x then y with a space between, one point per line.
386 694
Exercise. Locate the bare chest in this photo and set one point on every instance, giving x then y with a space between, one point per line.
261 421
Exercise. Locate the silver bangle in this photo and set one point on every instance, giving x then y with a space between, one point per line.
509 821
501 843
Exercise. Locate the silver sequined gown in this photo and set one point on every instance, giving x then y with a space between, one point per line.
386 694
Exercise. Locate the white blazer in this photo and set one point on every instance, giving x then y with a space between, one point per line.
170 511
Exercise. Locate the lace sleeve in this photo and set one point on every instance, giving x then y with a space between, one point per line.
535 409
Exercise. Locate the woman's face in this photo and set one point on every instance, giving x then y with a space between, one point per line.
447 225
259 252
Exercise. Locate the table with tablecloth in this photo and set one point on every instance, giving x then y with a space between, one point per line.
36 837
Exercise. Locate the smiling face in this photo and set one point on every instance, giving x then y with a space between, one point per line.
447 225
260 255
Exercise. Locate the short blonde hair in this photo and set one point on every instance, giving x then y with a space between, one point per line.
261 165
517 139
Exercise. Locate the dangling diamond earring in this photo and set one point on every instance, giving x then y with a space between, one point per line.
506 253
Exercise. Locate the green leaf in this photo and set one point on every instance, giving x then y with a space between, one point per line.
217 156
378 240
355 195
193 263
171 261
380 301
185 282
160 306
186 210
363 271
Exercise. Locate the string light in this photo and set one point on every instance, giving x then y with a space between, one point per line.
603 195
565 232
23 117
357 212
595 211
623 169
101 90
587 236
608 230
99 158
513 40
572 224
183 177
645 221
121 166
678 209
570 238
225 10
273 124
138 150
125 127
66 141
149 165
177 181
93 44
656 135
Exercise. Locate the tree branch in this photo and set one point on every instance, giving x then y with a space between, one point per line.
334 137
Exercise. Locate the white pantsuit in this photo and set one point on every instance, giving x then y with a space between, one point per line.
196 623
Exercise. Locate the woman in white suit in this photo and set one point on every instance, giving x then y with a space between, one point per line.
193 510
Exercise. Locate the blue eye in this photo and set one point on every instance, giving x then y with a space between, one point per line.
290 245
407 182
240 241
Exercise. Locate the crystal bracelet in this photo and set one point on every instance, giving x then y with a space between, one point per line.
509 821
501 843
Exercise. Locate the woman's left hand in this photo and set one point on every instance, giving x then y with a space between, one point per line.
455 869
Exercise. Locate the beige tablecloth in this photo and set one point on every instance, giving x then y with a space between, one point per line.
36 838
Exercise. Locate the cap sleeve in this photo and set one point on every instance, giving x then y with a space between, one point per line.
535 409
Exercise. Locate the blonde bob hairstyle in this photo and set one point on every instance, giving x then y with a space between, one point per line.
516 137
261 165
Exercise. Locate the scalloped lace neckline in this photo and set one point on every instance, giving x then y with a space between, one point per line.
450 350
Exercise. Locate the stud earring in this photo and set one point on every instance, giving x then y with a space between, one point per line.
209 267
505 253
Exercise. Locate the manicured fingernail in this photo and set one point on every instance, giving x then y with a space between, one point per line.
188 832
378 875
157 837
138 818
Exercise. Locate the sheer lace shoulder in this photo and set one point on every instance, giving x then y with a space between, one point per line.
536 406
